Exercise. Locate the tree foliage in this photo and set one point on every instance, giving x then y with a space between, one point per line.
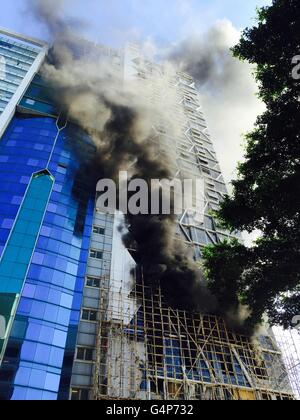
266 195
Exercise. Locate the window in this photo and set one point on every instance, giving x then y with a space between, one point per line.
213 194
206 171
93 282
62 168
98 255
205 162
89 315
30 101
99 230
78 394
85 354
210 185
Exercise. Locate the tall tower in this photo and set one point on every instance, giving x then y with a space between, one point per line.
46 215
20 58
76 318
146 349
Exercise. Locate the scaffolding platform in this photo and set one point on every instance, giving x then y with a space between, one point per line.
149 351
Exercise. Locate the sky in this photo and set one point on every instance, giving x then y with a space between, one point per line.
164 21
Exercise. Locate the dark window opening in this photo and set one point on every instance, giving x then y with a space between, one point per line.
98 230
85 354
89 315
97 255
93 282
78 394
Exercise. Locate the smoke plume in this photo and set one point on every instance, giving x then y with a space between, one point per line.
227 91
120 124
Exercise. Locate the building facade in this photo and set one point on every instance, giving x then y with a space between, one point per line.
76 322
146 349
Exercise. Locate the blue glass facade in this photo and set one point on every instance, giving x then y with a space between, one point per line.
38 357
19 248
17 254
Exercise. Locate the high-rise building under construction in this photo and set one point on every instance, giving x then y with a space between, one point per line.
77 319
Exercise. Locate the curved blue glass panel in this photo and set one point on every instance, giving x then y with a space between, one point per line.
39 356
17 254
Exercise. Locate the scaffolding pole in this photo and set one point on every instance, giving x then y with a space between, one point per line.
147 350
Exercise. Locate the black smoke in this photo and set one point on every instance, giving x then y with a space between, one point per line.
119 124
